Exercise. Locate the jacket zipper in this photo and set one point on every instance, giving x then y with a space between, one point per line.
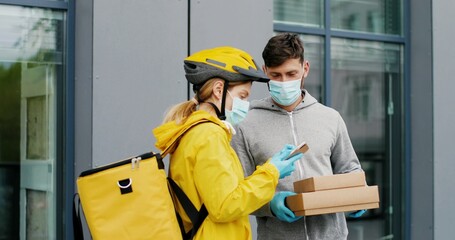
299 164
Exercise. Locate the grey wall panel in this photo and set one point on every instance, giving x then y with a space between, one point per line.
245 24
83 90
444 117
421 121
83 86
138 48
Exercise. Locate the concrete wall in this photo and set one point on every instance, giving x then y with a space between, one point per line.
444 118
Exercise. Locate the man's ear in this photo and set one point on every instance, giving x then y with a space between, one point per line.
218 89
306 68
264 69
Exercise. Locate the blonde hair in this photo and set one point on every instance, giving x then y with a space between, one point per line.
181 111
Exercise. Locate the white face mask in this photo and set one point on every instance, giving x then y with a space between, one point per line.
285 93
239 110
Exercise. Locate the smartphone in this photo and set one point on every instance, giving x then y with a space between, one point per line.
301 148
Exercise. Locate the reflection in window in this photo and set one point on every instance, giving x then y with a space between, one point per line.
372 16
37 129
37 215
314 54
306 13
365 74
360 71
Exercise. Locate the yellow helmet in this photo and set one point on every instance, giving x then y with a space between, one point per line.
228 63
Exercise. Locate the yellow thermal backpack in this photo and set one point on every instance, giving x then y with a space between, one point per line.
131 199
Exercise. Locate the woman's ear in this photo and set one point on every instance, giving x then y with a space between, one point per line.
218 89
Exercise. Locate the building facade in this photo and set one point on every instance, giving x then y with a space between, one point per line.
83 83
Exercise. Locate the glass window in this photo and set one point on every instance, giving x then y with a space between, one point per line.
306 13
372 16
314 54
31 66
365 76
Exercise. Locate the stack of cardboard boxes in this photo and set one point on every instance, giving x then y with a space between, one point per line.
331 194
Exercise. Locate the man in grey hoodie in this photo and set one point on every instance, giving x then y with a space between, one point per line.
292 115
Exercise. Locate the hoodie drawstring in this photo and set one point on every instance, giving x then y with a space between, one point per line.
299 164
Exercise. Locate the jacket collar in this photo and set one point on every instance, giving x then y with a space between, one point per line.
168 134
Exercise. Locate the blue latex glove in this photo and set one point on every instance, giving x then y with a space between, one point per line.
285 166
279 208
357 214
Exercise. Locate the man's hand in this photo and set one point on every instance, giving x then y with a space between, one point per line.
357 214
279 208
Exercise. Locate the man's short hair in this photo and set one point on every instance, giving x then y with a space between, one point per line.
282 47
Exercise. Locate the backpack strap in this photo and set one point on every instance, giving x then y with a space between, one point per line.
77 222
196 217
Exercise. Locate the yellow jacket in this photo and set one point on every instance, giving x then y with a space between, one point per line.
208 170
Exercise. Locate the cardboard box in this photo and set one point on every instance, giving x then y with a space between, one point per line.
335 200
319 211
354 179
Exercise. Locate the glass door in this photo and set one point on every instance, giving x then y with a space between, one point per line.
31 68
366 90
37 196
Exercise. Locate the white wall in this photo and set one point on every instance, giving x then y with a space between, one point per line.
444 118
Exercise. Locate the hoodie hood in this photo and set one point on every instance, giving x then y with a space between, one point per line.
169 133
268 104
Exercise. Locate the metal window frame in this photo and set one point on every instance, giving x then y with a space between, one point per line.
327 33
65 117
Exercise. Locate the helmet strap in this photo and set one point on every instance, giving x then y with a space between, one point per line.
222 116
221 113
218 113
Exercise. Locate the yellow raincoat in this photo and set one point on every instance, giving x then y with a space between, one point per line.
206 167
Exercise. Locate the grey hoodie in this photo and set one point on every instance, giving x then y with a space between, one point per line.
265 131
